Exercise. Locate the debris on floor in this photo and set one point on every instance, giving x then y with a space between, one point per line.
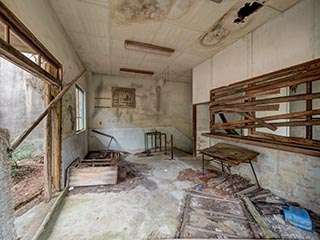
97 168
27 184
267 206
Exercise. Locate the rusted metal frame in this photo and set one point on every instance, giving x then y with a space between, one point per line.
268 143
14 56
9 19
293 70
309 129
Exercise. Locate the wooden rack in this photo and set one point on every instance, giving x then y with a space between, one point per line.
246 98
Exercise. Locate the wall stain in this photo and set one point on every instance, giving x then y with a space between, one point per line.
226 25
129 11
98 93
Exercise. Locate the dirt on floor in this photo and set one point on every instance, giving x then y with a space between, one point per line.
27 184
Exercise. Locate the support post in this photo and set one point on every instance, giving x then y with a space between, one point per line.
308 108
57 120
47 148
194 128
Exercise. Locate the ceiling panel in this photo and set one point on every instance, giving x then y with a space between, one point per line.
196 29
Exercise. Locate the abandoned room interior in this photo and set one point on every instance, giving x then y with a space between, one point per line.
159 119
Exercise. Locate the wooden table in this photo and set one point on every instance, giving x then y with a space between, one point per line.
230 155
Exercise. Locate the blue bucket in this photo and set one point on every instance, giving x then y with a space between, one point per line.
298 217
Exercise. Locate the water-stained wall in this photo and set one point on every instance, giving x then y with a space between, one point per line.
158 104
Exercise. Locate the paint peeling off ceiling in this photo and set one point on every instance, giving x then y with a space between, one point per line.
195 29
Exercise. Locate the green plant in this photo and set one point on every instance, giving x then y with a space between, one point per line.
22 152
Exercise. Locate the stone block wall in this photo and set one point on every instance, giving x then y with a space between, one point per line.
6 205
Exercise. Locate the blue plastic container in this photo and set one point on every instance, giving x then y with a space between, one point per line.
298 217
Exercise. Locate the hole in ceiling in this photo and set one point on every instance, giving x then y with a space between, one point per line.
247 10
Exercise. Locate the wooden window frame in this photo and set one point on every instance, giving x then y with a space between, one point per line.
226 99
13 25
80 110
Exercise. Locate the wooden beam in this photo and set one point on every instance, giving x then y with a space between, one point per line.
47 166
194 129
13 55
237 109
290 71
276 124
309 130
275 84
288 139
29 129
263 226
302 114
57 135
270 126
298 97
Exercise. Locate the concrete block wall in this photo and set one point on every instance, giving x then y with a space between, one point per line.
7 230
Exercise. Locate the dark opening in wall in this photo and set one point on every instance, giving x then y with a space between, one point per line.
247 10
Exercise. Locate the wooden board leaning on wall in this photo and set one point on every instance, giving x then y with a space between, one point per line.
250 97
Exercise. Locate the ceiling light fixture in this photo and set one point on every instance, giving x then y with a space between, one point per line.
129 70
149 48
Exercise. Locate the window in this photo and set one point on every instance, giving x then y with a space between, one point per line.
80 109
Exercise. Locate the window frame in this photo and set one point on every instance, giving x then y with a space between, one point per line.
79 89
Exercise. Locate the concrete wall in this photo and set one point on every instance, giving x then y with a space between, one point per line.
289 39
159 105
39 17
7 230
21 102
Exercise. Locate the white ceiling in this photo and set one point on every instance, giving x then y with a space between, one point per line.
196 29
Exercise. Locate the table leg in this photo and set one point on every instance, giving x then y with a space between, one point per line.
254 173
222 168
202 165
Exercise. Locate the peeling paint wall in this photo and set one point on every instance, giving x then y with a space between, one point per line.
288 39
41 20
159 104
